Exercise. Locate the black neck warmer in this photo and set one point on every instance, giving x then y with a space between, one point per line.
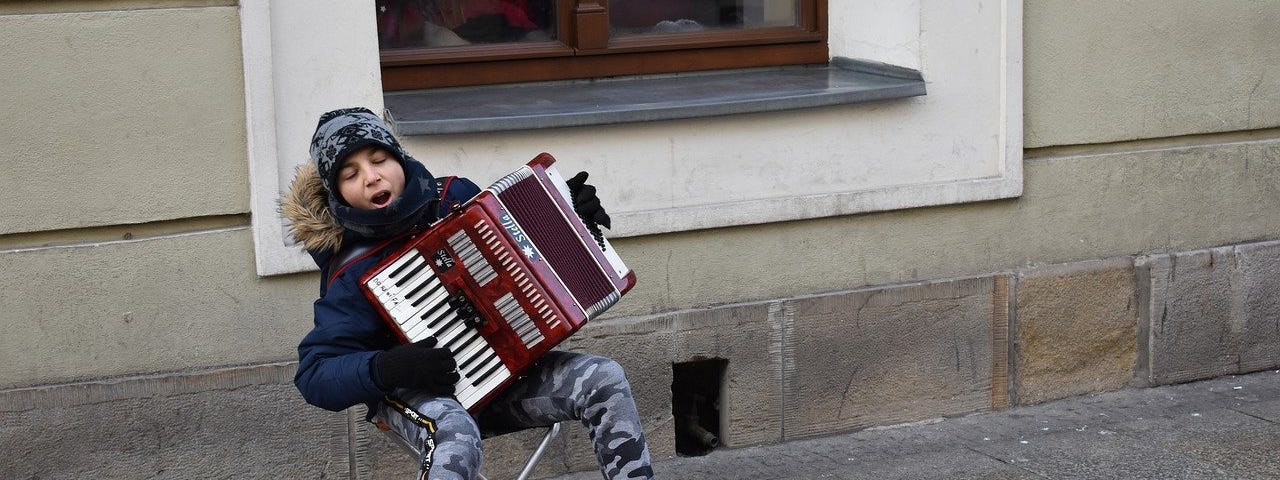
416 207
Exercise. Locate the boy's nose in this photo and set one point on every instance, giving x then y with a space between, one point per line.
371 176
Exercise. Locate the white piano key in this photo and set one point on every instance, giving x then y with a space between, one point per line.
473 353
418 335
473 394
441 318
472 391
421 330
409 324
395 278
418 332
414 273
422 299
450 330
394 267
397 296
391 290
425 277
466 343
488 369
406 312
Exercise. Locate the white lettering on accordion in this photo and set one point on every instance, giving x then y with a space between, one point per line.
518 235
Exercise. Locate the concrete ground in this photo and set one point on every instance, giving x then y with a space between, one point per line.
1224 428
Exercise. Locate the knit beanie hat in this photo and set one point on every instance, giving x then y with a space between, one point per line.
341 132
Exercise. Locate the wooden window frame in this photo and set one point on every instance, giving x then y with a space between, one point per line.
584 50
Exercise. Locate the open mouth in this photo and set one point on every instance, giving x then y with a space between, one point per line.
381 199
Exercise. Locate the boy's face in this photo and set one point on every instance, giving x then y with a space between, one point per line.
370 178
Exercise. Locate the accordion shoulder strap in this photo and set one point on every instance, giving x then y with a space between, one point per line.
352 254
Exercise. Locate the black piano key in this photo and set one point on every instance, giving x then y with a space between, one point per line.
445 313
417 289
396 273
435 285
460 339
466 363
412 273
489 371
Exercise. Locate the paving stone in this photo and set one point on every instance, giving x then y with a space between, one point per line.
1239 443
1100 454
954 448
956 464
1269 410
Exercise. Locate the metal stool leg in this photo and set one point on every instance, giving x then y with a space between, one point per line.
529 465
552 431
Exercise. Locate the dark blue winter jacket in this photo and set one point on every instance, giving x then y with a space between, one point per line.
335 358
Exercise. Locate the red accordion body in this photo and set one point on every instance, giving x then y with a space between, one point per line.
501 280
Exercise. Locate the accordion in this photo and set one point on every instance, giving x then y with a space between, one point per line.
501 280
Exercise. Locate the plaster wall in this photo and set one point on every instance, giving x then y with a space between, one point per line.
1098 71
194 301
172 302
1073 208
120 116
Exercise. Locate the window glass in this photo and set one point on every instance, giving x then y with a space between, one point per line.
448 43
451 23
638 17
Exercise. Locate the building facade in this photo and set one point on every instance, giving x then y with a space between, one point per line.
1083 197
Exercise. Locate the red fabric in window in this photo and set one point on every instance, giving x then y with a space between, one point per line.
451 14
400 21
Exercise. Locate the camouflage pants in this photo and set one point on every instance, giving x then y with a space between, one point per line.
562 386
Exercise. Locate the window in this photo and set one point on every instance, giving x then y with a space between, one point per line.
440 43
960 143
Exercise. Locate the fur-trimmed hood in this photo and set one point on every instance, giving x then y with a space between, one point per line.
306 206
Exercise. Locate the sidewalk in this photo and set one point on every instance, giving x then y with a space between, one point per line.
1224 428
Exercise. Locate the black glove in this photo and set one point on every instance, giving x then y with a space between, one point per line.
418 366
587 205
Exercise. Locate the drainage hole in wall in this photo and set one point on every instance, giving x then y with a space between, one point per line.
695 403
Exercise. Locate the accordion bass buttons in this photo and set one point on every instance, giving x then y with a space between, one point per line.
466 311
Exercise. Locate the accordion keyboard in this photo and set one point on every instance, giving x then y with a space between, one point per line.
415 298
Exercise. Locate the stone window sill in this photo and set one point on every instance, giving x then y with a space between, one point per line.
647 98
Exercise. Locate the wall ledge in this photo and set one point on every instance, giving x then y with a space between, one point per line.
647 98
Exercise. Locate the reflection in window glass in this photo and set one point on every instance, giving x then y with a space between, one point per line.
450 23
634 17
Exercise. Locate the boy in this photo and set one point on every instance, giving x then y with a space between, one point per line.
361 198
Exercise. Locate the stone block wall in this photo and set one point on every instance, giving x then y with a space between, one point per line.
1076 329
796 367
244 422
1211 312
